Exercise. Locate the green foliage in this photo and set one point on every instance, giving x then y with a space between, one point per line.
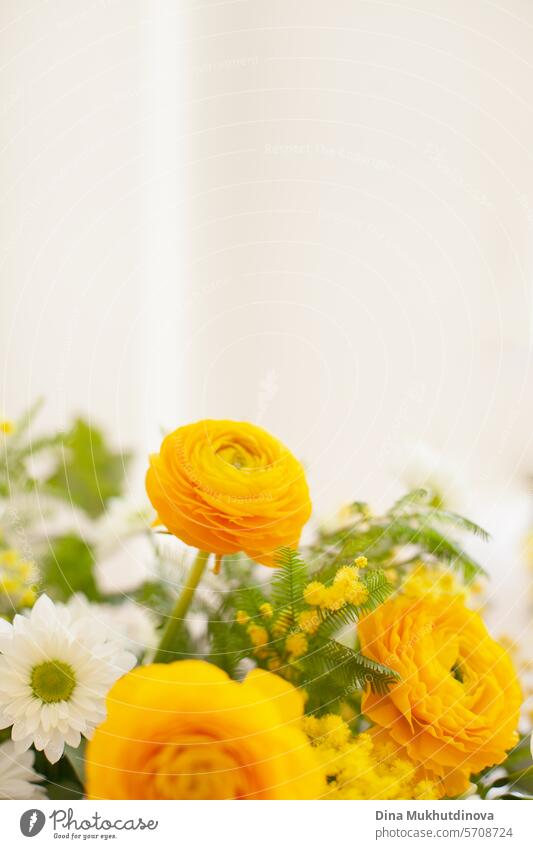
412 529
155 595
183 646
88 473
347 670
61 779
18 447
68 568
250 600
516 782
328 670
77 759
288 586
379 589
85 472
228 645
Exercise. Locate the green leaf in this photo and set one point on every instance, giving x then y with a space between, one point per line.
76 758
62 781
337 620
447 517
379 589
288 586
433 543
228 645
250 600
516 797
155 595
521 781
348 669
88 474
415 496
443 548
413 522
519 758
68 568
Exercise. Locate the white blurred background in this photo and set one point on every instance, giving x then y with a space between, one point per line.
316 216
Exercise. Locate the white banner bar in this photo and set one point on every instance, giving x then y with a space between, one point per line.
313 825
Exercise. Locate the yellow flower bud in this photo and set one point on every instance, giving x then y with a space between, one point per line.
357 593
314 593
334 598
346 574
296 644
335 730
258 635
309 621
266 610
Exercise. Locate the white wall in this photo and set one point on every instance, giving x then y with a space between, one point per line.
360 183
72 164
354 192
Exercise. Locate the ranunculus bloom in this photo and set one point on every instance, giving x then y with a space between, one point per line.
185 730
225 486
456 707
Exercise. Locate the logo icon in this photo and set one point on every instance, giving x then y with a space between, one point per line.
32 822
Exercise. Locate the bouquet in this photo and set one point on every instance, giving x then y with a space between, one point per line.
242 666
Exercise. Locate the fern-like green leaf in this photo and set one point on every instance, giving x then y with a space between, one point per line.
250 600
435 543
227 647
338 620
448 517
379 589
415 496
347 669
288 585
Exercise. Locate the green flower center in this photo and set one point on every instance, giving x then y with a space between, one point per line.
53 681
241 455
457 673
235 456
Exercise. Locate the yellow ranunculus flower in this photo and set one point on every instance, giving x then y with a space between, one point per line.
456 707
225 486
185 730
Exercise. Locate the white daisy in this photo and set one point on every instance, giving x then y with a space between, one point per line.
122 519
18 779
126 623
55 674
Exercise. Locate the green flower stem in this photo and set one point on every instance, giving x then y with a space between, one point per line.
166 650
